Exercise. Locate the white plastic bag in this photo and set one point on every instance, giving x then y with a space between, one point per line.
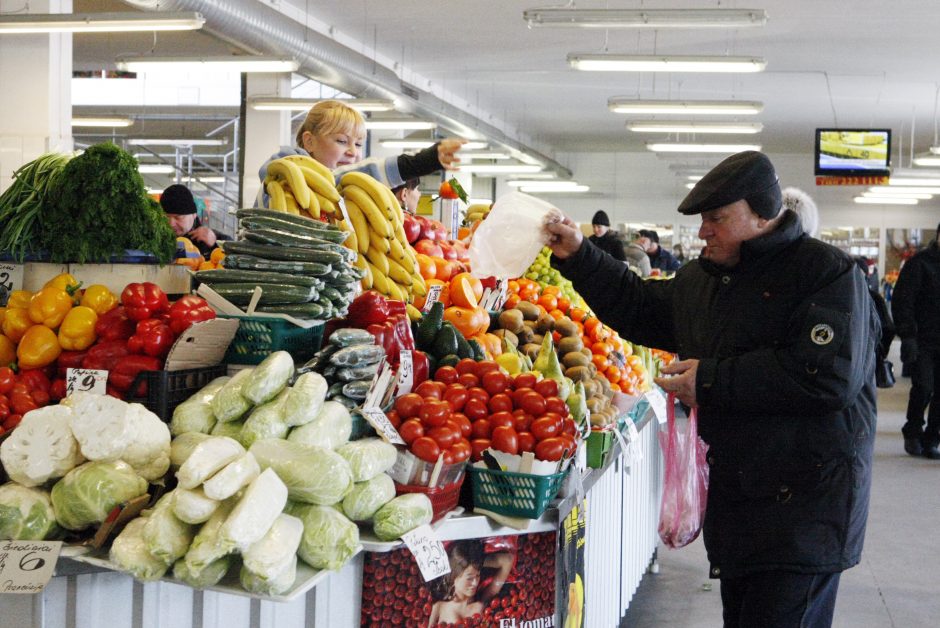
510 238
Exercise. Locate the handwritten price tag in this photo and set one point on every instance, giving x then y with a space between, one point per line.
494 298
27 566
428 552
11 276
86 380
382 425
657 402
434 295
372 406
405 375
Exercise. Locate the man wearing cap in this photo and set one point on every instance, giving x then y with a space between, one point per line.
659 257
776 333
605 239
180 209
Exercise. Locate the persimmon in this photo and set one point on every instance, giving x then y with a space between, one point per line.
512 301
564 304
443 268
426 266
463 318
548 300
577 314
601 362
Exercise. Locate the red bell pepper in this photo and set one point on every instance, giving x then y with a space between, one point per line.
188 310
368 308
114 324
34 379
127 368
378 332
21 399
57 391
421 367
144 300
104 355
153 337
69 360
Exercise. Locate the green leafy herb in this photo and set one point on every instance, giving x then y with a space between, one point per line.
22 204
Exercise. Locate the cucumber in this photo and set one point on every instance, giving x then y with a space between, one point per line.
333 295
250 262
263 222
281 253
271 293
285 238
297 310
225 275
309 223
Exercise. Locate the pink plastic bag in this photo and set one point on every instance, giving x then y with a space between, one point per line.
685 485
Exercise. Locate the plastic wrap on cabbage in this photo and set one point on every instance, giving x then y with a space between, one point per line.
402 514
26 514
329 540
272 554
182 446
193 506
89 492
210 576
368 457
129 553
266 421
166 536
232 429
367 497
256 511
330 429
268 378
305 399
209 456
313 475
281 583
232 478
229 403
195 414
208 546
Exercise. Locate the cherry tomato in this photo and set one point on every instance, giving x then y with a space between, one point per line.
411 430
457 395
500 403
547 388
429 390
480 394
495 382
526 441
446 374
407 406
550 449
426 448
481 428
533 403
522 421
502 419
444 436
524 380
555 404
393 418
506 440
434 413
461 450
478 446
467 365
463 424
545 427
7 379
476 409
469 380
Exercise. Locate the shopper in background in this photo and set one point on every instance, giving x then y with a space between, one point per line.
604 238
409 195
636 258
679 253
659 257
916 308
180 208
776 335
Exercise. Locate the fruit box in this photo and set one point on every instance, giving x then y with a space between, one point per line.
599 443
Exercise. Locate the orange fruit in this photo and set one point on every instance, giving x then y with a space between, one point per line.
601 362
463 318
556 314
612 374
426 266
461 293
512 287
564 304
553 290
590 325
443 268
601 348
512 301
548 300
475 284
577 314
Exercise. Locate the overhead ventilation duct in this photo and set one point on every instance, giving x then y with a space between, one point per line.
260 28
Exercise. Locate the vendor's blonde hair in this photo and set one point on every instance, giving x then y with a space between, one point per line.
331 116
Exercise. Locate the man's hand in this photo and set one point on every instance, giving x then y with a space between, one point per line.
908 350
683 384
447 153
202 234
565 237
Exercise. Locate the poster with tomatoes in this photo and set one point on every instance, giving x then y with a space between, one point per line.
497 582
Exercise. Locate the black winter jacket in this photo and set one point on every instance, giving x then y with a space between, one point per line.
785 386
610 244
915 301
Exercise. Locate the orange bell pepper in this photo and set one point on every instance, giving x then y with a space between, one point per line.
77 331
19 298
49 306
16 322
7 351
38 348
99 298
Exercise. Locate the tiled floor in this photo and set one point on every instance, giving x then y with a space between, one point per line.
897 584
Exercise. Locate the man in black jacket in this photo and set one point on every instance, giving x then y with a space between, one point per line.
916 307
605 239
776 333
180 209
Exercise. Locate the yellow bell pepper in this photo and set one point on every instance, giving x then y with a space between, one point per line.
16 322
19 298
7 351
3 313
77 331
38 348
49 306
64 281
99 298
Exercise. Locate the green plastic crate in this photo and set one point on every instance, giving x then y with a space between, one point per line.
514 494
599 443
258 337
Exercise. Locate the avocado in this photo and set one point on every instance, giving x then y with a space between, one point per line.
445 342
429 326
448 360
477 348
463 347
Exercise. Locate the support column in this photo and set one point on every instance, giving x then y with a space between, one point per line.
265 131
35 80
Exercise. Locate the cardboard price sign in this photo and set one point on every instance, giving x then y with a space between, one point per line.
11 276
428 552
27 566
86 380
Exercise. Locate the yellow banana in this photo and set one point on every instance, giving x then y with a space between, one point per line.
372 213
398 254
419 287
277 201
395 291
362 264
326 205
414 314
313 164
359 225
378 192
319 184
398 274
380 243
314 207
397 212
352 242
378 259
291 204
290 172
379 281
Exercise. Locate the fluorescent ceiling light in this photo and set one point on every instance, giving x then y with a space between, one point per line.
172 142
867 200
500 168
694 178
695 127
685 107
541 190
400 125
223 64
99 22
646 18
102 122
155 169
303 104
592 62
935 150
548 185
212 179
922 197
690 184
406 144
905 190
700 148
483 155
479 201
927 160
905 181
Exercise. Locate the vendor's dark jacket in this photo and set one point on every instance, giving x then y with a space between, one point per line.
664 260
915 301
205 249
785 388
610 244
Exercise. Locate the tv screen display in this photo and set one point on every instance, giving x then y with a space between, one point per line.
853 152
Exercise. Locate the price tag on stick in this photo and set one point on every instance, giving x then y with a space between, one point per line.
657 402
86 380
405 376
372 406
11 276
434 295
428 551
27 566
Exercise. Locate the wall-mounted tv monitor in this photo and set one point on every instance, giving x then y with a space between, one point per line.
853 152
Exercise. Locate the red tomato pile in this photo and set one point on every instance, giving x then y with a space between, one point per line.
475 405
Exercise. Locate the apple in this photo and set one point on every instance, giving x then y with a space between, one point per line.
412 228
429 248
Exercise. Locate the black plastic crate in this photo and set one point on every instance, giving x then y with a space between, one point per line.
167 389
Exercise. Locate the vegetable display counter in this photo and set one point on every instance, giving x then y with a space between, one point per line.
622 512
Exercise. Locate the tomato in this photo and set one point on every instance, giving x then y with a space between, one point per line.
7 379
462 423
555 404
444 436
426 448
479 393
569 427
467 365
434 413
12 421
393 417
545 427
461 450
457 395
526 441
446 374
570 444
429 390
524 380
547 388
478 446
481 428
476 409
411 430
495 382
487 366
550 449
500 403
407 406
502 419
533 403
506 440
448 456
522 421
469 380
517 396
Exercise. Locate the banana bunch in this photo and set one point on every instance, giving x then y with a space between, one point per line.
378 235
301 185
476 213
